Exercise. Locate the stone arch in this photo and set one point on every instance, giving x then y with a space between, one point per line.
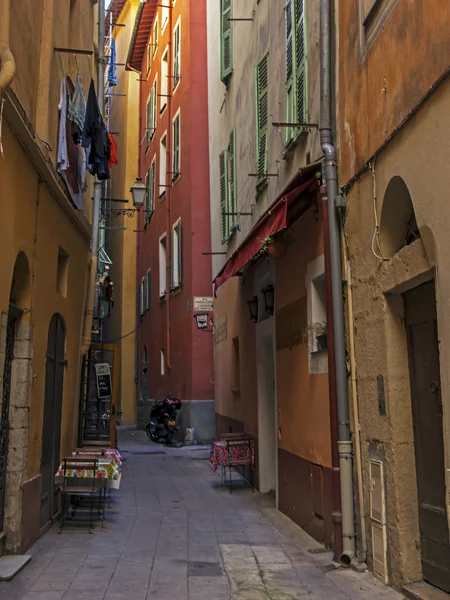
20 293
398 226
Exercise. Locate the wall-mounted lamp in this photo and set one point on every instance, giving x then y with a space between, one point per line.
269 298
138 191
201 320
253 306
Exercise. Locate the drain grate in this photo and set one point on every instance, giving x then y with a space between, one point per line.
204 569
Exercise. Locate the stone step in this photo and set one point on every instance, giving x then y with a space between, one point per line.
424 591
11 565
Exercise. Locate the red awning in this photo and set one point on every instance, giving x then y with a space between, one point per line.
273 220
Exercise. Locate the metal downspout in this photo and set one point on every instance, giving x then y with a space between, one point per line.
7 62
90 308
344 434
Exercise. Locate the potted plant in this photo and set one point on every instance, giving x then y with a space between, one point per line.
277 245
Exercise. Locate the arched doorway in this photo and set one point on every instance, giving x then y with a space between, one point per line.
19 301
51 428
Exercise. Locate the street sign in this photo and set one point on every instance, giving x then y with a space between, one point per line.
203 304
103 373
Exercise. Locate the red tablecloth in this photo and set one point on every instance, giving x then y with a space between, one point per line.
233 452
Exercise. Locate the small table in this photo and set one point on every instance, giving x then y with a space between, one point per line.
108 470
233 453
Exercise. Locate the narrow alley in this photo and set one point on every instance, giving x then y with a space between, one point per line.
174 532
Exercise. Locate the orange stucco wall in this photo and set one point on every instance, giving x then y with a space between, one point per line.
380 85
303 405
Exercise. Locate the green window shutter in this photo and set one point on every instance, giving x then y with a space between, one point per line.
147 123
262 116
226 39
232 180
176 147
152 188
147 197
301 113
223 163
155 37
153 112
290 71
176 57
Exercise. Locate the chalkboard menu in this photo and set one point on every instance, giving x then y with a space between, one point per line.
103 372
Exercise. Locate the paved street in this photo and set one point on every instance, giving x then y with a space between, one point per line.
174 533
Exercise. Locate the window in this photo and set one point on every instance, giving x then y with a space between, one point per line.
162 266
155 36
150 192
262 116
226 39
62 272
176 256
149 57
163 362
141 297
176 148
164 14
162 165
316 297
296 76
374 14
176 54
228 195
151 116
148 298
144 294
164 80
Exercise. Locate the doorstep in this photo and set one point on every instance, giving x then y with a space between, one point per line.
11 565
424 591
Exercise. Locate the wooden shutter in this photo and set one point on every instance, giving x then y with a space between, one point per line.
147 197
176 57
180 254
223 163
232 181
301 112
144 294
155 37
290 86
226 39
176 147
148 122
149 289
172 258
152 187
262 116
154 100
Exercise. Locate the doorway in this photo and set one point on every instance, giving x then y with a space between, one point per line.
51 428
267 440
424 372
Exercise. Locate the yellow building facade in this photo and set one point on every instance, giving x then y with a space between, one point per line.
120 242
45 250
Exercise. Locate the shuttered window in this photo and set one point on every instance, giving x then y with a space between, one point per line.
226 39
149 290
176 55
151 116
150 192
141 297
232 196
296 67
176 257
262 116
223 164
176 148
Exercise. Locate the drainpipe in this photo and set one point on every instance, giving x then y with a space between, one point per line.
7 62
90 307
335 481
344 434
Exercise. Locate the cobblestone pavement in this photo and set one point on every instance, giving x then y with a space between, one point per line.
175 533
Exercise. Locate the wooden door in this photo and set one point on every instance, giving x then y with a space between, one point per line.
51 428
423 350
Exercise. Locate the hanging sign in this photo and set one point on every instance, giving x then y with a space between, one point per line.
103 373
203 304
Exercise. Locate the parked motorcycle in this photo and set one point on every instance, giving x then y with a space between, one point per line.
163 417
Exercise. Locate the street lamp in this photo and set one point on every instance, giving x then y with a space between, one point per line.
253 306
138 191
269 298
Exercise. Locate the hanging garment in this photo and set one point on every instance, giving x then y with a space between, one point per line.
95 137
112 71
62 161
77 105
113 160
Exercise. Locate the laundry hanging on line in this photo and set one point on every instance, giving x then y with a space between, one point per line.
95 137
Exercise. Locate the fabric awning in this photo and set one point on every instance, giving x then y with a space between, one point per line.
273 220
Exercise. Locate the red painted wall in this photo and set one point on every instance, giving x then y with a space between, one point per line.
191 355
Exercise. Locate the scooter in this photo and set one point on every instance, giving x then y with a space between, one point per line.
163 417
